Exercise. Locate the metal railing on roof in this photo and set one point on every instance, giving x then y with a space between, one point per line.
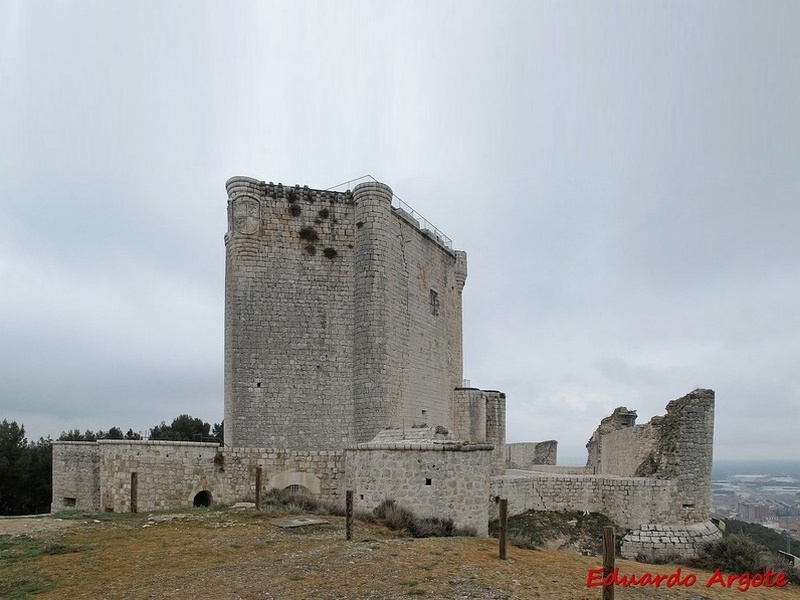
425 226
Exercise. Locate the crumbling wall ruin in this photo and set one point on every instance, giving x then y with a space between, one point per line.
677 446
528 455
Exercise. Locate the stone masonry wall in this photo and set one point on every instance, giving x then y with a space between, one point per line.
624 451
629 501
170 474
76 476
408 307
524 455
288 317
480 416
677 446
560 469
320 471
657 541
434 480
469 415
342 317
496 429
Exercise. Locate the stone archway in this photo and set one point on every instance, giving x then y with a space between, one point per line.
303 479
202 498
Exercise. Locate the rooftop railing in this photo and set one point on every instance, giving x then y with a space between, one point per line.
424 225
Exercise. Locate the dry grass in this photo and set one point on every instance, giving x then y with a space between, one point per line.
237 554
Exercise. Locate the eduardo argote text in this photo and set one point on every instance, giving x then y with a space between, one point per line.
742 582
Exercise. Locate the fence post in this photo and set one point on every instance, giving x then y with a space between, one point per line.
134 492
503 528
349 515
609 552
258 488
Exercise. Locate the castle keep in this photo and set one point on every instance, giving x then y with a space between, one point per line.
343 370
342 318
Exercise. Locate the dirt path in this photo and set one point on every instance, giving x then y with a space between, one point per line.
36 525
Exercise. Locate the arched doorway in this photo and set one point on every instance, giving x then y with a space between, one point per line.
202 498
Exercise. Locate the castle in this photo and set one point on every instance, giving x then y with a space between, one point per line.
343 371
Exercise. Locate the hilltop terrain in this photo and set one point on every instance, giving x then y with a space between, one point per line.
225 553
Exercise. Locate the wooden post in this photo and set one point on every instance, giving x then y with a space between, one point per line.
134 492
503 528
349 515
609 552
258 488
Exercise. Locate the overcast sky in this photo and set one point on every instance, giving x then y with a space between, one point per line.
624 177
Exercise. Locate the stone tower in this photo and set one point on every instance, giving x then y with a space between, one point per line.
342 317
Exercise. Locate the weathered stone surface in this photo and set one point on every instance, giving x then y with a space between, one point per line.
525 455
342 318
677 446
666 541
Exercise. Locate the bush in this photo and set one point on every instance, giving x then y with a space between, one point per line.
736 553
534 529
400 518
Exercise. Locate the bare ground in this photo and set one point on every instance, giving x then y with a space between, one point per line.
225 554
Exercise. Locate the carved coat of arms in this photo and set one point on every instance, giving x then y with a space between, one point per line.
245 215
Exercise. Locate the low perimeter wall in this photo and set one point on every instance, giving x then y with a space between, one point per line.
629 501
110 474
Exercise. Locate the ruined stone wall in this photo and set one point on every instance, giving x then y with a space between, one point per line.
677 446
288 317
687 445
624 451
76 476
525 455
434 480
630 502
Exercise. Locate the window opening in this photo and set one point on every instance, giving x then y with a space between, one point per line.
434 302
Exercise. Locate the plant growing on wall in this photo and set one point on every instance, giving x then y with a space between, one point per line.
329 253
309 234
